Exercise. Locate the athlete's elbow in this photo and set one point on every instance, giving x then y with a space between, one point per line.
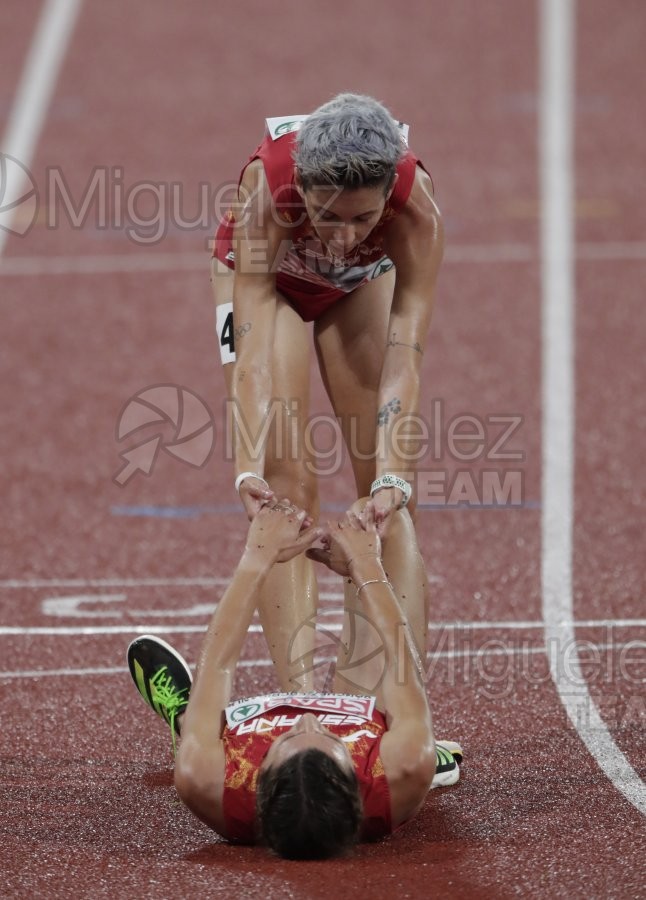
418 768
192 776
187 782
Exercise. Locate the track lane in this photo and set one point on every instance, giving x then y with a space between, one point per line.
610 521
511 831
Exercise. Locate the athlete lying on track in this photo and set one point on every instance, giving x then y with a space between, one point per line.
309 774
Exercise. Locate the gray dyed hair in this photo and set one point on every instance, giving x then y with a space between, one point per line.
350 142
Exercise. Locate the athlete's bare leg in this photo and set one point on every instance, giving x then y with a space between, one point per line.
351 341
289 597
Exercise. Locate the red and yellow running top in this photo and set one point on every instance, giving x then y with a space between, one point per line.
254 723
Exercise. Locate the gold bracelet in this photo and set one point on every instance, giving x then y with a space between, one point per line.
375 581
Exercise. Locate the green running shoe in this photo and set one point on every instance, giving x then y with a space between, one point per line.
161 676
449 755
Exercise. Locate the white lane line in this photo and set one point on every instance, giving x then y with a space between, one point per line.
218 581
105 264
34 92
110 670
563 628
17 584
34 266
557 54
78 630
458 653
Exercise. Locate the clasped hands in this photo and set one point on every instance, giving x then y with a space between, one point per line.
280 531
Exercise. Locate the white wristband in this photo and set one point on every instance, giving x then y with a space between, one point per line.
388 481
241 477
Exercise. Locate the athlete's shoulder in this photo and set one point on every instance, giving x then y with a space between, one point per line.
408 757
422 194
418 221
199 779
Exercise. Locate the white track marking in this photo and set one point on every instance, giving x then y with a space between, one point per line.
105 264
180 628
475 254
72 630
557 54
264 663
69 607
111 670
218 581
563 628
34 91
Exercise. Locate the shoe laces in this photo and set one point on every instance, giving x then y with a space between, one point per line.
169 697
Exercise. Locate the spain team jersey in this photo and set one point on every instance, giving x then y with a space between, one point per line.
254 723
308 276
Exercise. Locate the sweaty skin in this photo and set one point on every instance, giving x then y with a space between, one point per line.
369 347
352 548
413 239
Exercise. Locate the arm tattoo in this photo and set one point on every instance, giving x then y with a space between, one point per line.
393 342
392 407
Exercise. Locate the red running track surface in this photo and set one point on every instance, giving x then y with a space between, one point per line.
93 315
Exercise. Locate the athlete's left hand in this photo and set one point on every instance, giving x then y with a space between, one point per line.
346 541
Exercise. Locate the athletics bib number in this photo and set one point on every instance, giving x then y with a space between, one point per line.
224 330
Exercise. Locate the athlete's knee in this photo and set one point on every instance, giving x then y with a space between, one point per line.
400 519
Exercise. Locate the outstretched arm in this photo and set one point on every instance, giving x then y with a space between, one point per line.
259 240
275 535
415 243
408 748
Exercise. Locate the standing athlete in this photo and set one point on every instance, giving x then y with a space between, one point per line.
308 773
335 224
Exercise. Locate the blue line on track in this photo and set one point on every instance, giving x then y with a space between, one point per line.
194 512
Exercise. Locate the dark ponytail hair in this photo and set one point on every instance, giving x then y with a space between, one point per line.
308 807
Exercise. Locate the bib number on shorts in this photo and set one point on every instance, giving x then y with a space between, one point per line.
224 330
